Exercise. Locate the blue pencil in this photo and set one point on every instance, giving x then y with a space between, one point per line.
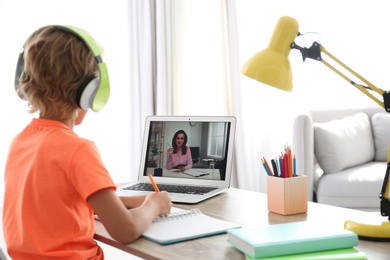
295 166
266 168
281 165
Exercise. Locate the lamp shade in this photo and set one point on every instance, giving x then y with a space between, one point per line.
271 65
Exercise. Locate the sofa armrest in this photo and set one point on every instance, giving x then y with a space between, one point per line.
303 146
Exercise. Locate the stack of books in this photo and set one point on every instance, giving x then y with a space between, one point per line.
297 240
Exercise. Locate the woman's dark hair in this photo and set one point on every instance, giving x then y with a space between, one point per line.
184 147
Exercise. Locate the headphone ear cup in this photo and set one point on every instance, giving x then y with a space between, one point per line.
19 73
87 92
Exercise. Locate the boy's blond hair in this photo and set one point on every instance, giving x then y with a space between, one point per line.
57 63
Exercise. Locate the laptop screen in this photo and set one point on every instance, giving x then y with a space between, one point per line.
188 147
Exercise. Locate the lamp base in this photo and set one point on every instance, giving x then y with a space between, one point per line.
371 232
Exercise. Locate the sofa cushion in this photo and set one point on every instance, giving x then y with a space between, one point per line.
343 143
381 129
356 187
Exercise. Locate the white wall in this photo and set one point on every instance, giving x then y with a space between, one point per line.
107 23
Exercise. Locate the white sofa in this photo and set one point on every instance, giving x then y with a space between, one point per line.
343 152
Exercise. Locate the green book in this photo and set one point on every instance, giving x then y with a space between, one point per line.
290 238
338 254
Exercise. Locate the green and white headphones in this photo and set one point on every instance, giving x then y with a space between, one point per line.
95 91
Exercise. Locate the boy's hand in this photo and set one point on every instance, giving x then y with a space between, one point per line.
162 201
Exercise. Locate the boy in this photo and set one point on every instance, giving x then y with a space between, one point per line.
54 180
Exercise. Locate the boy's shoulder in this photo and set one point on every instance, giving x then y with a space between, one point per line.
52 133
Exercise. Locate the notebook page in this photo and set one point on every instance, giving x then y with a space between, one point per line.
183 225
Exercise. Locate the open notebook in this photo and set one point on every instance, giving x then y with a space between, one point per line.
181 225
208 161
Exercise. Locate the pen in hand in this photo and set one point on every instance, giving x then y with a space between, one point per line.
155 187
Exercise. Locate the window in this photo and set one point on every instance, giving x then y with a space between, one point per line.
216 140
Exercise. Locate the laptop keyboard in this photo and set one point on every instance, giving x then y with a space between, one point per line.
184 189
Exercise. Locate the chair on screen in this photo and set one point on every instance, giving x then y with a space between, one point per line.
195 153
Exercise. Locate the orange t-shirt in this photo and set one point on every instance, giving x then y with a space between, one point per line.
50 173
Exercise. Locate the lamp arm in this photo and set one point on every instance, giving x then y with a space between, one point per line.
384 195
314 52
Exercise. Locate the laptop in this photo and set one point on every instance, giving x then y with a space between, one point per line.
203 172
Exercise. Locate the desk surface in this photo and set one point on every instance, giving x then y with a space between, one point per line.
248 209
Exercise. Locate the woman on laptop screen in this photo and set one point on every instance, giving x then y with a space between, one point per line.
179 155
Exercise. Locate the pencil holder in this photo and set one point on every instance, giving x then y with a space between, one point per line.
287 196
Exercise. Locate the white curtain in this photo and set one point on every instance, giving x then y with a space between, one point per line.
150 66
242 176
142 73
185 62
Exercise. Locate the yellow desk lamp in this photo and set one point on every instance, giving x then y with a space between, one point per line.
272 67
